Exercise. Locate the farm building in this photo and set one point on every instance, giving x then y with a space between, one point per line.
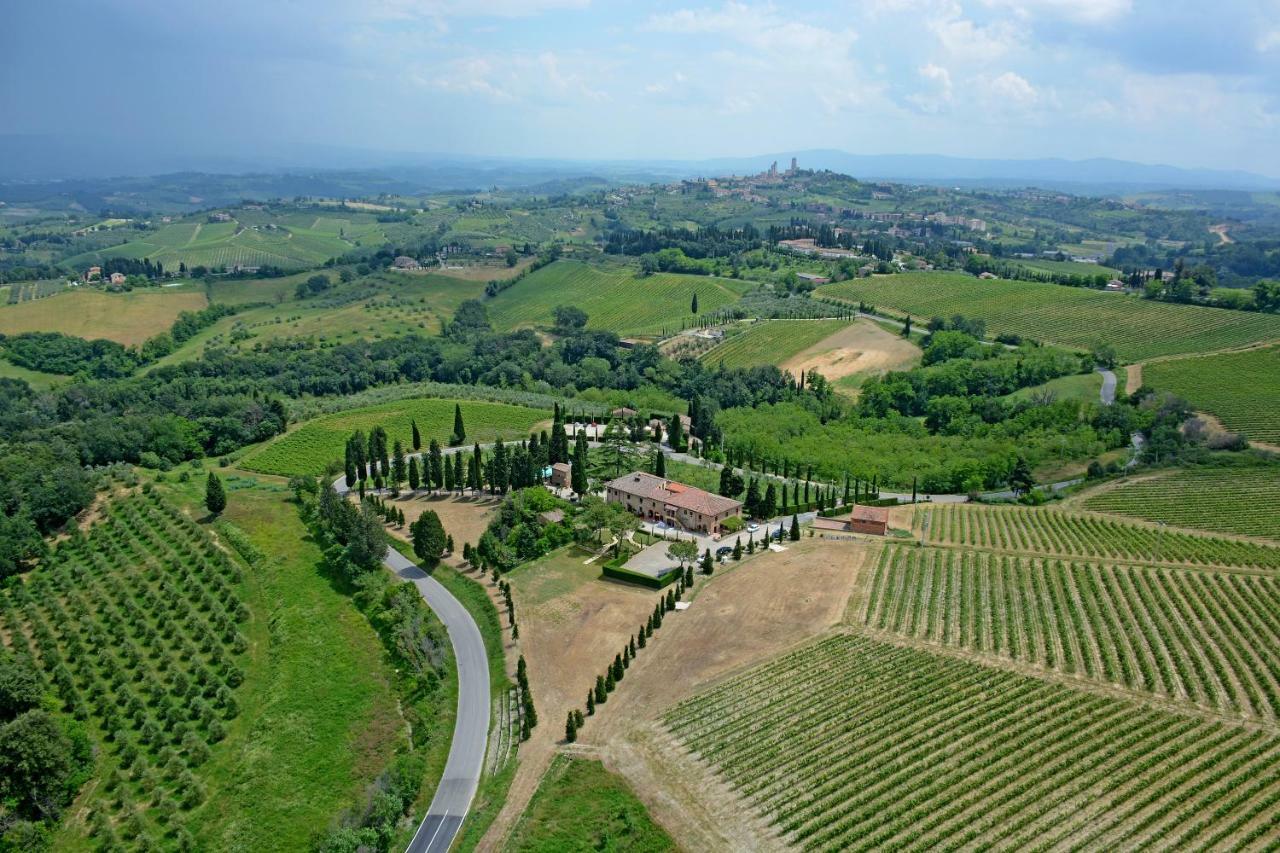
873 520
117 278
1115 286
404 262
93 273
561 475
812 277
658 499
623 412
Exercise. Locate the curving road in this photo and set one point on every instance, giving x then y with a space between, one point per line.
1108 392
457 788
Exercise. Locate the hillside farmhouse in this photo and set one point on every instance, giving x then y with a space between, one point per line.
658 499
562 475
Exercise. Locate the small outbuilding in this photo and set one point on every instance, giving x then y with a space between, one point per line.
562 475
871 520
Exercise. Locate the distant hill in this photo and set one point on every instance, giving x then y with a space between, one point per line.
47 158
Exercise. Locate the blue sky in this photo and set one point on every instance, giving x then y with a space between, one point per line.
1185 83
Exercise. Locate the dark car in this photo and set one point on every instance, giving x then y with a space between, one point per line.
721 553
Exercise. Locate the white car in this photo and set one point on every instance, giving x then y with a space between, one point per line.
753 527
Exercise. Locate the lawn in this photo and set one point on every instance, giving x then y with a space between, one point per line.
580 806
554 575
1085 387
313 445
36 379
1241 388
616 299
770 342
127 318
1076 317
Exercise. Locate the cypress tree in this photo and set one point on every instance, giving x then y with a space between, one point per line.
591 703
632 647
349 466
660 465
215 498
417 436
459 431
641 637
602 690
609 683
578 474
708 566
693 306
459 478
795 528
414 479
737 548
571 728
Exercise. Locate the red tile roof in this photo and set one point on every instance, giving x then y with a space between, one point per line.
643 485
870 513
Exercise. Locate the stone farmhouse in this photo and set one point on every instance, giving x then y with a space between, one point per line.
658 499
872 520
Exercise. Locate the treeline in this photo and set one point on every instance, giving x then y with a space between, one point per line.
700 244
978 264
54 352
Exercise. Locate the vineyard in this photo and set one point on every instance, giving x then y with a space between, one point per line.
1210 637
26 291
771 342
136 628
1051 531
1244 500
312 446
1241 388
617 300
850 744
1078 317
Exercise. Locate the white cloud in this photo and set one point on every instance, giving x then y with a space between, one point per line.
1079 11
543 78
1012 90
1269 42
409 9
964 39
936 91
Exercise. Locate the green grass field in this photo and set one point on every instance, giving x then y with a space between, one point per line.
580 806
312 446
36 379
303 241
1076 317
1236 499
1067 267
1085 387
771 342
127 318
918 751
1187 634
615 299
1240 388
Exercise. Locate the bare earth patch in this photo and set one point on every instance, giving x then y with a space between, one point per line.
742 616
465 519
1132 378
860 348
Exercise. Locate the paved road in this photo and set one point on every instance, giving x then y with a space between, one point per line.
1108 393
457 788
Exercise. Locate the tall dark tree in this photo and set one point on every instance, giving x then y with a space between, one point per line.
215 498
578 474
398 468
349 466
459 431
660 465
795 528
416 436
693 306
435 465
675 433
415 479
459 478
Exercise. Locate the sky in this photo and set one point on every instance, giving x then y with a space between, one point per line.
1184 82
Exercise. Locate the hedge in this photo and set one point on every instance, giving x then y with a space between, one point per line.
627 576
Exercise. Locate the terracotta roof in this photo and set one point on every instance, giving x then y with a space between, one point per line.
870 513
561 466
643 485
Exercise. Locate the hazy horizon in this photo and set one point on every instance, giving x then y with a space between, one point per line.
1180 83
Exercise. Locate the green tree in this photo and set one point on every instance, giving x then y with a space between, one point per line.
428 537
459 431
1021 480
215 498
366 539
795 528
737 548
693 306
415 479
398 468
571 728
675 433
416 436
708 566
660 464
578 472
683 551
906 327
41 761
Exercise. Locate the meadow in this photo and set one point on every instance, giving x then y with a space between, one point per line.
127 318
581 806
1069 534
1085 387
615 299
1240 388
929 752
252 239
1075 317
317 443
1235 499
770 342
1208 637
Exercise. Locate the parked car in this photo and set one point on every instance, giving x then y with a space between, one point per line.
721 553
753 527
